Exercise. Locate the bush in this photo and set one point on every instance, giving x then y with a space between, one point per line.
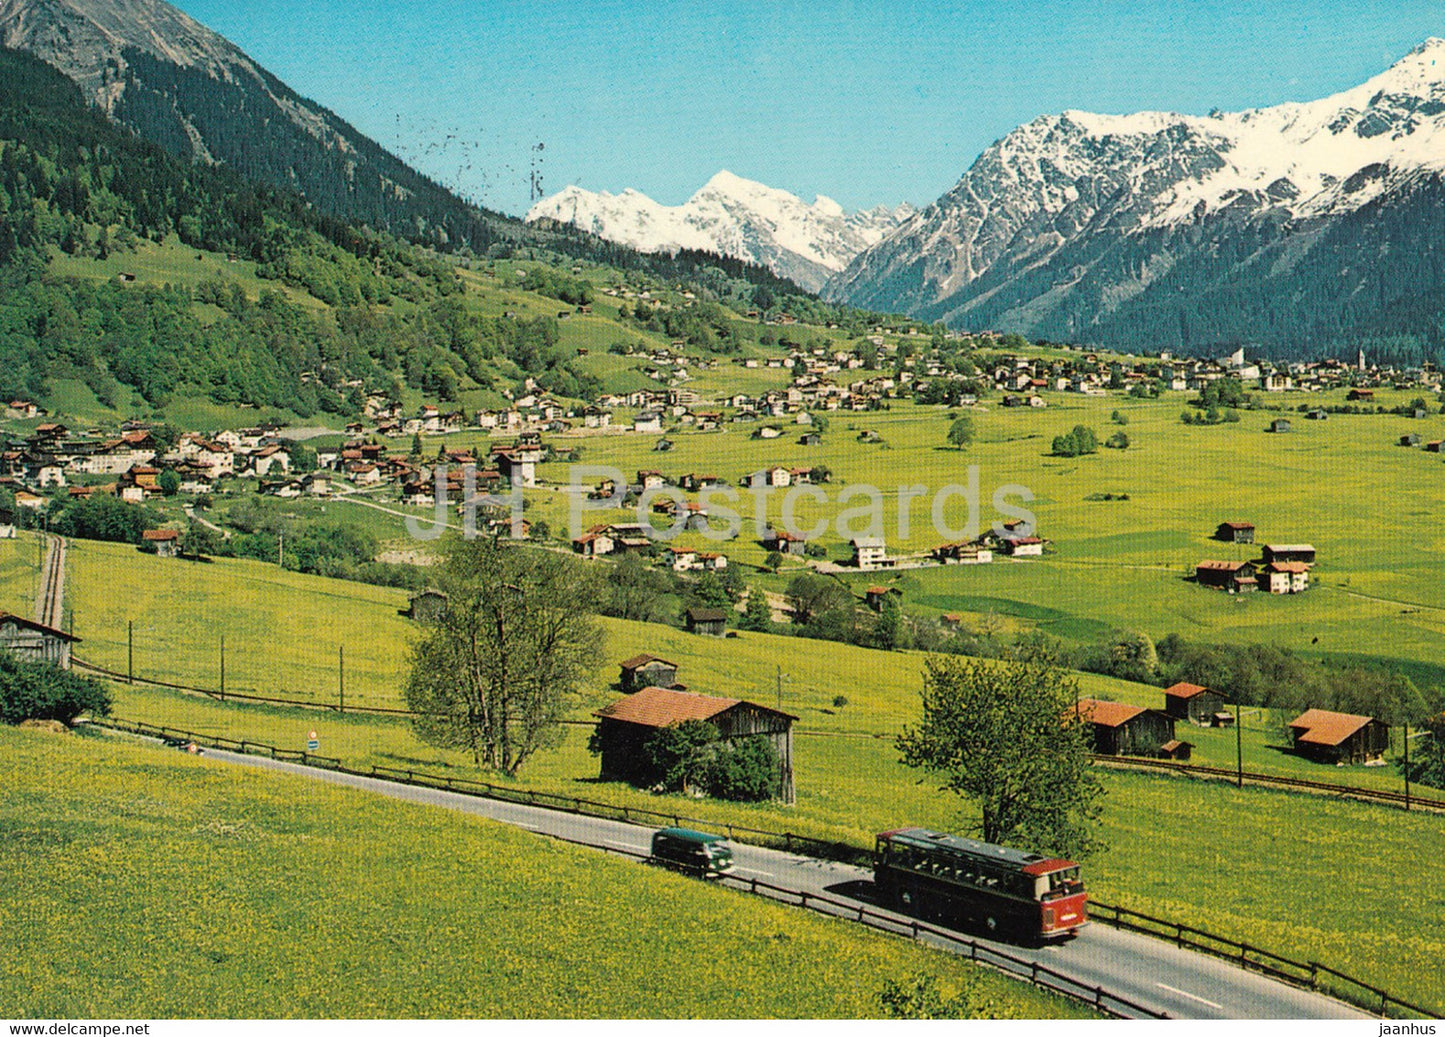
1079 441
43 691
1118 441
744 771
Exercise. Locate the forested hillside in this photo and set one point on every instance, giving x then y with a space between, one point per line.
394 313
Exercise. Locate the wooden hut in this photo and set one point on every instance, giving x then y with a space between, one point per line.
644 671
1339 737
710 622
1119 729
30 641
624 727
1192 702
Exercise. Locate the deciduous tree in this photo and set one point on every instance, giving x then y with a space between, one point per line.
495 672
1004 737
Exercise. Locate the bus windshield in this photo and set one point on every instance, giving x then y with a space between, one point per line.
1062 883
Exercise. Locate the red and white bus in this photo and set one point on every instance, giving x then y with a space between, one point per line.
957 880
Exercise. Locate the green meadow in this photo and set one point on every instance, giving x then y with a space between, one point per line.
219 893
1259 865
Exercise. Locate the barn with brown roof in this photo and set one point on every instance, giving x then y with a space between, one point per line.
1119 729
1192 702
1339 737
625 726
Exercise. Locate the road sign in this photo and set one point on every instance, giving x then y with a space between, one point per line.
313 742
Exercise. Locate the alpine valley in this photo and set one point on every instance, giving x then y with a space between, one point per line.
1304 228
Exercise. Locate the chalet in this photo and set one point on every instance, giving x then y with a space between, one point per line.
1289 553
1279 425
426 606
951 620
1023 547
22 409
870 552
1339 737
625 727
680 559
316 484
1434 446
1235 577
1118 729
1410 439
1284 577
650 422
662 446
1356 395
164 542
650 480
767 432
594 543
874 597
648 671
692 482
810 439
708 622
518 463
1193 702
1317 415
29 641
1235 532
963 552
712 561
268 460
784 542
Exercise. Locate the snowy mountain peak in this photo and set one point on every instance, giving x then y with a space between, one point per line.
1036 233
732 216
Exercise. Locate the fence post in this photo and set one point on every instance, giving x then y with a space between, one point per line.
1314 975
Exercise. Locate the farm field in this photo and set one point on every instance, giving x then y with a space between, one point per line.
182 609
222 893
1255 864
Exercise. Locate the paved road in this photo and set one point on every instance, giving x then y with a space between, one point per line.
1150 972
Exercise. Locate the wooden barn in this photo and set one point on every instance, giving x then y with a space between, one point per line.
1339 737
427 606
1289 553
709 622
1235 532
1234 577
1193 702
648 671
1123 730
624 727
32 642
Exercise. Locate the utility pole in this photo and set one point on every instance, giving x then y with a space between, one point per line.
1238 745
223 667
281 549
1407 766
780 689
341 678
130 651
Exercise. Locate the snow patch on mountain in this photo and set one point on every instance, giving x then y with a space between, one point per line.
734 217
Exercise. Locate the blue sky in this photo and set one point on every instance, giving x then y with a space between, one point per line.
868 103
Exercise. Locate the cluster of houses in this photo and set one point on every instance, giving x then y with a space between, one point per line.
1119 729
1283 569
52 456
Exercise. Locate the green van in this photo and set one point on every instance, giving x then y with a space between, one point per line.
695 852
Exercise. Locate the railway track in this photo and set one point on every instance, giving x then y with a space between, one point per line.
50 602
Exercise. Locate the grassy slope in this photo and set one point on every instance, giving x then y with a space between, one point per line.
218 893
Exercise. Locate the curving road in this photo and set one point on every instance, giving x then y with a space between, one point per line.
1150 972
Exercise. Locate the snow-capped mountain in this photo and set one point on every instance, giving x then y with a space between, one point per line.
733 217
1274 224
